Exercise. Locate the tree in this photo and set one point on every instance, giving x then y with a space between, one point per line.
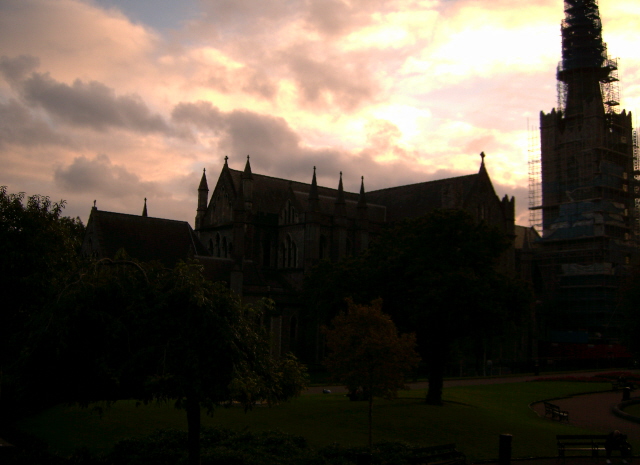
629 295
438 276
368 355
39 247
141 331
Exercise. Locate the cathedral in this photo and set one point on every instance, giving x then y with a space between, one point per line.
263 234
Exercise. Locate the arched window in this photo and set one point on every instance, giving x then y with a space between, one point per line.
224 247
210 246
217 248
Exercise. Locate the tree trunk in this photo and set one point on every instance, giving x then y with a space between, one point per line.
193 426
436 380
370 421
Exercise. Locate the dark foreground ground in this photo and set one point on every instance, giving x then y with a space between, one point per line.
593 411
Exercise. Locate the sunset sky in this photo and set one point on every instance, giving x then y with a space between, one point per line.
118 100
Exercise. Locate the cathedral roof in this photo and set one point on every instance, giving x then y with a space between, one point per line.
274 192
142 237
415 200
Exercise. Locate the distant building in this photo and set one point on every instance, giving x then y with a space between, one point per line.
589 192
141 237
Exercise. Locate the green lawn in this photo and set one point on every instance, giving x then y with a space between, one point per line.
473 417
633 410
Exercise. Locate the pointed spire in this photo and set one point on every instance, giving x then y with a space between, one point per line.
226 159
340 196
582 45
585 63
203 181
340 205
144 210
247 185
246 174
362 199
313 193
482 167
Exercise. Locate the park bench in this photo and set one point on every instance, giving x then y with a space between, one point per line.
621 384
446 454
555 412
591 443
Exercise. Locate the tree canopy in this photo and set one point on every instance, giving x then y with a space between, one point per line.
138 330
39 248
367 354
438 275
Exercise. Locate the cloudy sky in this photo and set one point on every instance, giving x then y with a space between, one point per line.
118 100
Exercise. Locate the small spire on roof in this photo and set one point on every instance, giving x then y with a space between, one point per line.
203 181
313 192
340 196
362 199
144 210
94 204
482 155
246 174
225 160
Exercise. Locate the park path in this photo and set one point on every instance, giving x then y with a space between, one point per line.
594 411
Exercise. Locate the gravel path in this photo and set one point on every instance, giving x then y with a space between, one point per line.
593 411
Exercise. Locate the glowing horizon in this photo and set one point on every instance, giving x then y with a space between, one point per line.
114 101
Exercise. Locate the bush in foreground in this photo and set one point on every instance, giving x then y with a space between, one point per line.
169 447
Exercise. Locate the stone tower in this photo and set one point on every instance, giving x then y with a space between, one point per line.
588 191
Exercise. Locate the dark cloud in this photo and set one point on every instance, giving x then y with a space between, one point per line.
258 83
16 69
253 133
203 115
247 16
81 104
330 17
19 125
277 150
91 105
240 131
99 176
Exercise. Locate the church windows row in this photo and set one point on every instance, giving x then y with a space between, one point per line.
220 247
289 253
289 214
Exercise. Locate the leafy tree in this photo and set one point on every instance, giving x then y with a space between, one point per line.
629 298
39 247
141 331
438 276
368 355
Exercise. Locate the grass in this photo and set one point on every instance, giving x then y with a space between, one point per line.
633 409
473 417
